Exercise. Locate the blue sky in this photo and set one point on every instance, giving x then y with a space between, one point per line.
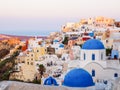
40 17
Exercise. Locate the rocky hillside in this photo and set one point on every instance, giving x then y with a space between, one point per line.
3 53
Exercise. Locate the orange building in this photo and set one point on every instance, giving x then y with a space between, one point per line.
25 47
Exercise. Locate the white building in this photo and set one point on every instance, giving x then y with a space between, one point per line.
34 43
57 45
76 52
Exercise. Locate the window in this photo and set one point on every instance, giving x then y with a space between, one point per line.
101 56
115 75
37 64
106 41
23 61
37 50
63 58
28 63
84 56
20 67
31 63
56 48
93 56
93 73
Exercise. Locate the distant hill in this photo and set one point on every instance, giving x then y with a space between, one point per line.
5 36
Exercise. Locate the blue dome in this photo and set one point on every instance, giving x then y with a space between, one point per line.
61 45
55 41
50 81
92 44
91 34
78 78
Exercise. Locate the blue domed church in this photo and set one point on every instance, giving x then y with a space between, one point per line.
93 60
93 49
78 78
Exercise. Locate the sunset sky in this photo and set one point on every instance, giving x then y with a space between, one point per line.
40 17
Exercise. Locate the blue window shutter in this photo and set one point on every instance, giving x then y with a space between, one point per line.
93 73
93 56
84 56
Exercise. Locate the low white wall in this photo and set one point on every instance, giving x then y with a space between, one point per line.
13 85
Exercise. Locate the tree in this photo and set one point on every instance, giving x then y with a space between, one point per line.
65 41
36 81
80 45
108 51
41 69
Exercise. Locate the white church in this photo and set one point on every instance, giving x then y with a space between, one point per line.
93 60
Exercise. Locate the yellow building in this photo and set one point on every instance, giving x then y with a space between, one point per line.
83 21
104 20
39 51
24 68
29 59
